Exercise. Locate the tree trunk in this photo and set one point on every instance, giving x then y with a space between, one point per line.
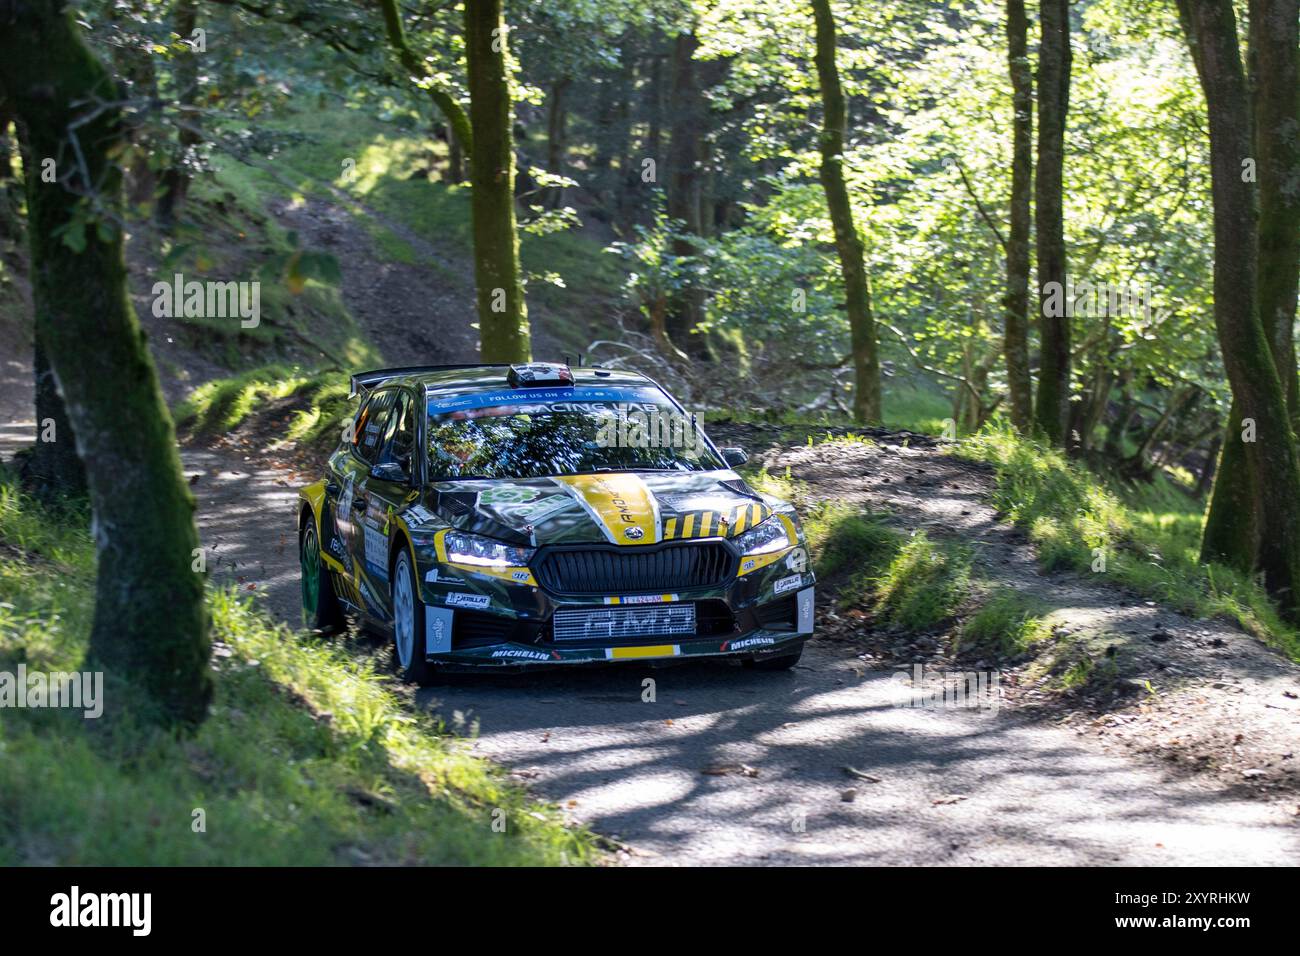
175 180
1257 390
1016 319
52 469
150 625
555 138
1274 40
455 159
502 313
848 243
687 109
1053 104
1230 535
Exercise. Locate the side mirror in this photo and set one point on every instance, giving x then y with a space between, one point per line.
389 471
734 457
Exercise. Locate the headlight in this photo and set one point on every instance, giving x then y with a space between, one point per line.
472 549
767 537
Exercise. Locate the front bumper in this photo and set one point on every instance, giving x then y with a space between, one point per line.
753 646
496 619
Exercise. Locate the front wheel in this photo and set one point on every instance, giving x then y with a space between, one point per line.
320 608
408 624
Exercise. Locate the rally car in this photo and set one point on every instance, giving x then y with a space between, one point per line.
542 515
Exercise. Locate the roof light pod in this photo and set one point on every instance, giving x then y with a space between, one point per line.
539 375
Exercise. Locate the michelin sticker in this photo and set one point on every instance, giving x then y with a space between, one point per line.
522 654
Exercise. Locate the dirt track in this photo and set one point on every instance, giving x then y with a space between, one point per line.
734 766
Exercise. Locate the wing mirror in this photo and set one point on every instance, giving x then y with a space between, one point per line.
734 457
389 471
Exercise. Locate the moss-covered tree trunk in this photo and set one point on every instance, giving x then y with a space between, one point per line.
150 624
1231 532
502 314
1015 345
1054 59
1271 459
848 243
1274 42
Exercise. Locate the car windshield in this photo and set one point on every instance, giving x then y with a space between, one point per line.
539 433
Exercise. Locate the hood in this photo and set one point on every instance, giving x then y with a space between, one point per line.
621 508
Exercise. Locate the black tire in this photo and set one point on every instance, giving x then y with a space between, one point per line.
408 648
320 606
782 663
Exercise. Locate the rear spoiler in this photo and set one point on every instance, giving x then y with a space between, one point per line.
363 383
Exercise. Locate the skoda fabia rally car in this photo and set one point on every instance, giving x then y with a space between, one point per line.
537 515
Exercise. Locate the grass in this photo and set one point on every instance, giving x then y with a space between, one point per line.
924 584
1146 539
1007 624
309 756
316 402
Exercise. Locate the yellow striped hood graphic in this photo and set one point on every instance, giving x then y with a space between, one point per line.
715 524
621 504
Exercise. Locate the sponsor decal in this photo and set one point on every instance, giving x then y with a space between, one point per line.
434 577
559 399
797 560
787 584
745 642
344 506
437 629
621 504
507 494
377 551
417 516
522 576
522 653
805 605
367 595
466 599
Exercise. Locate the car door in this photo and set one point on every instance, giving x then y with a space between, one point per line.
354 479
387 487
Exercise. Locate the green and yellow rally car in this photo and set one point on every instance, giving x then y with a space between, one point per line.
537 515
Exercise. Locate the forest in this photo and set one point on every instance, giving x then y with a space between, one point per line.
1046 251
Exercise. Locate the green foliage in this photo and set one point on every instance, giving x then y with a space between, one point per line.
1149 539
309 757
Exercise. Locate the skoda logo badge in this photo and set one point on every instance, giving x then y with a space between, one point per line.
634 533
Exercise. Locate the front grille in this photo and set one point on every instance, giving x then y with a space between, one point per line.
623 623
615 571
